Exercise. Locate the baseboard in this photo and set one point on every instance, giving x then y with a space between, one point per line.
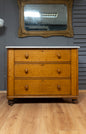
3 92
80 91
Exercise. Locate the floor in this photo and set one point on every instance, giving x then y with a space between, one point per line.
54 116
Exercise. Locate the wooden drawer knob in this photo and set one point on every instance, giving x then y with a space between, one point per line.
59 56
59 71
58 87
26 88
26 56
26 71
42 64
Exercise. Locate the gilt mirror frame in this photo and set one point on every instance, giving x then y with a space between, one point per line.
23 33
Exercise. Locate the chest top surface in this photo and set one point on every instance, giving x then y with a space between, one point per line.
21 47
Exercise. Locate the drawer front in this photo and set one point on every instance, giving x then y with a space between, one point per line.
42 87
42 70
42 55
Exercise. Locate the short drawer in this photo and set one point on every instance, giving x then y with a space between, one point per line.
42 87
42 70
42 55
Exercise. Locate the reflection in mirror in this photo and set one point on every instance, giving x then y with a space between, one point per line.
51 17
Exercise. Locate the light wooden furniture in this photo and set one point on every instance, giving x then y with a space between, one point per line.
42 72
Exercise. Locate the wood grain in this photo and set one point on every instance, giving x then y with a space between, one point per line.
74 72
42 55
43 96
30 117
49 73
42 70
10 72
42 87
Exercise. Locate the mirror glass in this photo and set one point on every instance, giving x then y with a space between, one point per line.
45 17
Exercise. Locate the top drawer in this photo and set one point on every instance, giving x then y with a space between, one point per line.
42 55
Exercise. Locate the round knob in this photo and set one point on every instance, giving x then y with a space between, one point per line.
26 56
59 87
42 64
59 56
59 71
26 87
26 70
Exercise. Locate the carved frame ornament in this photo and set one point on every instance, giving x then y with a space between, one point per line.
23 33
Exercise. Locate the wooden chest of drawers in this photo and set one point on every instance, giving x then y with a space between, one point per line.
42 72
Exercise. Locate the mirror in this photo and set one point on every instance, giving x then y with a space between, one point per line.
45 18
51 17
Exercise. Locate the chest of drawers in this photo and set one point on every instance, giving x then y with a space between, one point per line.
42 72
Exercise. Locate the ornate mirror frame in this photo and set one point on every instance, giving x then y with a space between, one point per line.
23 33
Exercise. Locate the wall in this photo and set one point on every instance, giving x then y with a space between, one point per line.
79 25
8 36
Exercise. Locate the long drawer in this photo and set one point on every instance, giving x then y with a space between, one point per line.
42 55
42 70
42 87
